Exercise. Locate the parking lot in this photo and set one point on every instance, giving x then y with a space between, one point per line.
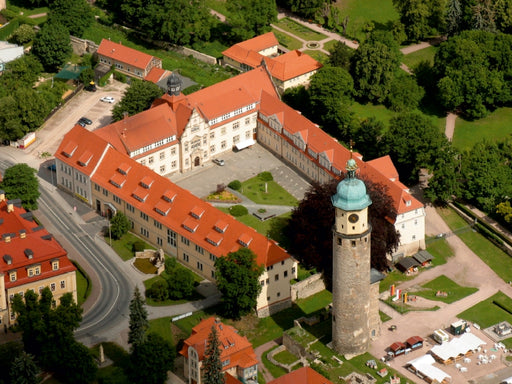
83 104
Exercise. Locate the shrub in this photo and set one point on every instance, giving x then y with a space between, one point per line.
266 176
120 77
235 184
138 246
159 290
170 264
238 210
180 281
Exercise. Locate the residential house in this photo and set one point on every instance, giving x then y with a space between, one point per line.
287 70
237 355
31 259
126 60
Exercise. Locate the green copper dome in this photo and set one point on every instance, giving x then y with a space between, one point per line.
351 192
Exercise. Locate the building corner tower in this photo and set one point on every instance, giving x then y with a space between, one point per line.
351 265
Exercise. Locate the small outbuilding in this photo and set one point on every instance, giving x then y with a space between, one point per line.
423 368
424 258
397 348
414 342
407 264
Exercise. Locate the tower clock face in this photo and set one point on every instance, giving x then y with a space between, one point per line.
353 218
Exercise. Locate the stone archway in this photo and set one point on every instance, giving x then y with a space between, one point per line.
197 161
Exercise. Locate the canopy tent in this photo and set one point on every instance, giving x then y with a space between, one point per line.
455 348
244 144
70 72
423 366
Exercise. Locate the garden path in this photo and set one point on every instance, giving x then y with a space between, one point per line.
259 354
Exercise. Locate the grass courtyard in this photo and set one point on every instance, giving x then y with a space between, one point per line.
299 30
267 192
442 283
414 58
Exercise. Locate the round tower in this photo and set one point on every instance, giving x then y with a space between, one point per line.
351 265
174 83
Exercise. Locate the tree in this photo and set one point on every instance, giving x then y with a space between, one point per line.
79 366
75 15
504 210
340 55
20 182
22 72
24 370
249 18
151 360
330 93
298 98
237 277
309 229
374 67
86 76
472 71
445 181
420 17
306 8
404 94
180 281
453 16
23 34
137 98
52 46
413 142
9 351
138 320
367 138
211 363
119 225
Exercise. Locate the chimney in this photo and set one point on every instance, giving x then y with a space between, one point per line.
23 233
7 237
2 195
10 206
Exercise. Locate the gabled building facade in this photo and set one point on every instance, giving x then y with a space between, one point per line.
30 259
287 70
237 355
169 217
126 60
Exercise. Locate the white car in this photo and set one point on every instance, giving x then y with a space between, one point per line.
107 99
218 161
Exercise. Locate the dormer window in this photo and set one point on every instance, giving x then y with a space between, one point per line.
146 182
220 226
85 159
190 224
169 196
197 212
117 180
408 203
28 253
124 169
244 240
13 276
55 265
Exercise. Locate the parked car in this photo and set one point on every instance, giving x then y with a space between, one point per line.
218 161
107 99
81 123
90 88
85 120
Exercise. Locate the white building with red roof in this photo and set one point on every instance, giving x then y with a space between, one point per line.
288 70
30 259
127 60
237 355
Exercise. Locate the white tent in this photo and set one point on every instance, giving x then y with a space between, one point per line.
455 347
423 365
244 144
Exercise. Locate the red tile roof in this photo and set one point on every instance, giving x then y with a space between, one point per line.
283 67
29 244
124 54
72 149
234 347
380 170
132 132
156 74
304 375
155 203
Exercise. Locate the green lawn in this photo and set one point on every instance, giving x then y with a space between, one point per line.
260 226
487 313
442 283
384 317
162 327
274 370
379 112
496 126
440 249
83 287
26 11
402 307
267 192
330 45
414 58
317 55
124 246
299 30
287 41
494 257
380 12
285 357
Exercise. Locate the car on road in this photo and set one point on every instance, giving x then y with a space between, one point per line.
107 99
85 120
218 161
90 88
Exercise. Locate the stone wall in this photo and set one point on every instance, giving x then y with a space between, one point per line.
81 46
197 55
296 348
305 288
270 310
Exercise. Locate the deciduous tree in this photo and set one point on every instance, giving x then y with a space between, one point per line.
310 227
75 15
20 182
138 97
249 18
52 46
212 364
151 360
340 55
119 225
237 277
